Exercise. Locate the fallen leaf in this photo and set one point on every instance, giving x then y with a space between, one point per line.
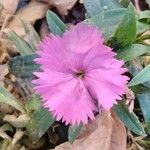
130 97
31 13
19 122
4 135
10 6
3 72
7 9
105 133
5 108
148 40
3 129
18 135
62 5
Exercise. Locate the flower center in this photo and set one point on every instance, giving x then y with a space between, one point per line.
80 74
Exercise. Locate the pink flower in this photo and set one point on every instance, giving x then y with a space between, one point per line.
79 75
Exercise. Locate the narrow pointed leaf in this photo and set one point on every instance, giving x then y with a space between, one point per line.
55 24
40 122
8 98
23 66
33 103
73 132
131 52
32 35
144 15
22 46
129 119
94 7
107 21
141 77
144 101
126 31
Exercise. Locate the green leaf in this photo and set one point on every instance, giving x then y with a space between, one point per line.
124 3
140 89
6 127
32 35
148 2
135 67
107 21
33 103
23 66
94 7
129 119
126 31
133 51
55 25
144 100
142 27
8 98
73 132
141 77
22 46
144 15
39 124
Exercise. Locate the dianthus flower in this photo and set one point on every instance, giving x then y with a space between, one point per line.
79 76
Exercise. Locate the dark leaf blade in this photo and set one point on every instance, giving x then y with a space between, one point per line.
32 35
8 98
144 15
141 77
144 101
23 66
40 122
129 119
33 103
107 21
133 51
94 7
126 31
142 27
55 24
22 46
73 132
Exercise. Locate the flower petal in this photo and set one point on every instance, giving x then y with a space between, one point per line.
106 85
48 82
72 103
99 56
81 38
52 54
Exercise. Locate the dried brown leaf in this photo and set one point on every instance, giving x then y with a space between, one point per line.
19 122
5 108
105 133
7 9
10 5
3 72
18 135
3 51
62 5
31 13
130 97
